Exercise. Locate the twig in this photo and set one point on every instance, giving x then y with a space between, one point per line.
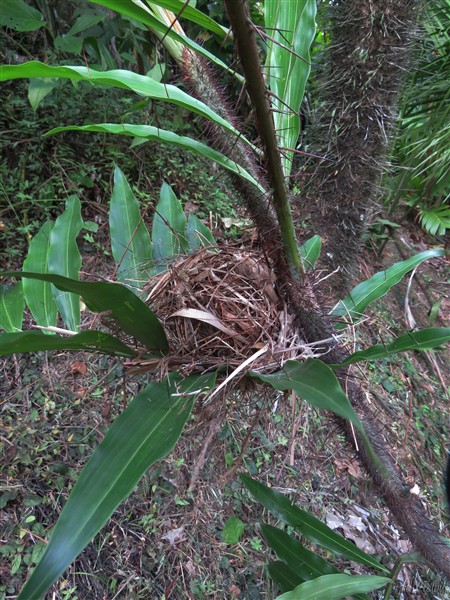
213 430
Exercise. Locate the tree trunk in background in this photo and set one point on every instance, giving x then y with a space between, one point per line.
358 92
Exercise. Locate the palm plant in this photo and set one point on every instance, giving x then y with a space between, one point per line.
421 149
158 413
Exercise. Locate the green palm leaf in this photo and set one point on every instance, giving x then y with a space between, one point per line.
37 341
64 258
114 300
130 239
128 80
38 294
155 134
12 305
426 339
292 28
354 305
144 15
145 432
308 525
334 587
169 237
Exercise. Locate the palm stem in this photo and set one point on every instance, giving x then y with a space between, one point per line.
244 33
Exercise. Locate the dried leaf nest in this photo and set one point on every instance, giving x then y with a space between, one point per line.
219 307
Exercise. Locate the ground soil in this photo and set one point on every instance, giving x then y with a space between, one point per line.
165 540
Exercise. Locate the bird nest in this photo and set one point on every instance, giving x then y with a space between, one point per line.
219 308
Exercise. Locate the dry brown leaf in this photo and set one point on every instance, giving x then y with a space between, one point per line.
205 317
353 469
174 535
78 367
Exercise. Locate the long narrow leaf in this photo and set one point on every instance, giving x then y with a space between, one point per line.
426 339
145 432
435 219
128 80
299 559
198 234
131 9
36 341
285 578
291 26
310 251
169 228
354 305
305 564
155 134
38 294
190 13
116 301
309 526
12 306
314 381
130 240
64 259
333 587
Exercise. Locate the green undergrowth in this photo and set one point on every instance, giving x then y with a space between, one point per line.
410 395
38 173
162 533
164 541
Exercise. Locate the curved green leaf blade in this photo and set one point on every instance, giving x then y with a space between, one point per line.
116 301
130 240
434 311
38 89
314 381
300 561
232 530
36 341
145 432
426 339
20 16
190 13
128 80
354 305
85 21
155 134
168 229
283 576
292 28
131 9
306 524
310 251
333 587
12 305
198 234
64 259
304 563
38 294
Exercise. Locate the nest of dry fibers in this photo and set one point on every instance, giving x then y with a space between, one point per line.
219 308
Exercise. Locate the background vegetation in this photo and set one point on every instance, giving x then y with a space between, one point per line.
165 540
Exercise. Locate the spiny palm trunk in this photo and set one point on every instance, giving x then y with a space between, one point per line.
359 84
